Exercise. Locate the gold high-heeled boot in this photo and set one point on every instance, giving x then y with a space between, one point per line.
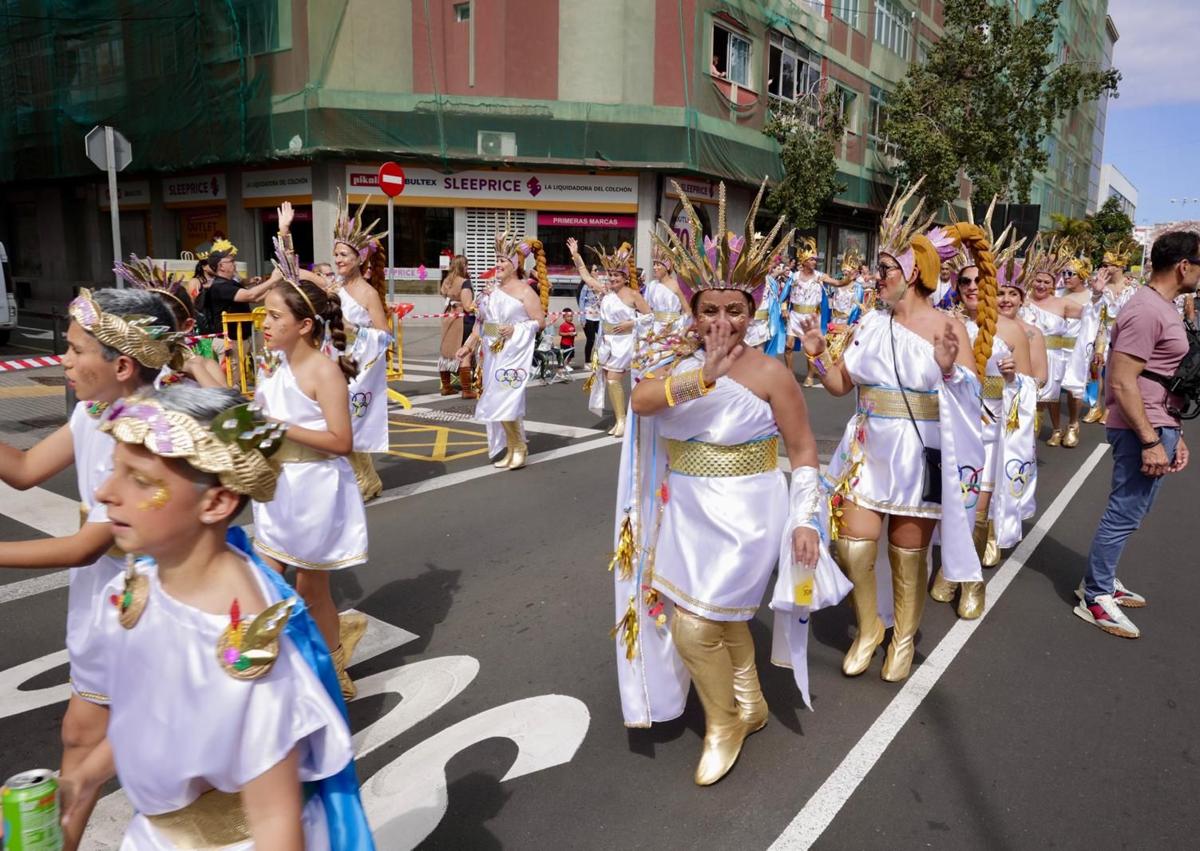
856 557
991 550
506 459
616 395
369 483
1071 438
519 450
943 589
747 691
970 601
700 643
349 691
910 575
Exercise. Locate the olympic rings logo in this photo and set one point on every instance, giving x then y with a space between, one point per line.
359 402
514 378
969 477
1019 474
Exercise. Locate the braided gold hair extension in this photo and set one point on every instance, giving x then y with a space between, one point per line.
539 269
973 237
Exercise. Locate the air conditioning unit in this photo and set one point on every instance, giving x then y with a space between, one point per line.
492 143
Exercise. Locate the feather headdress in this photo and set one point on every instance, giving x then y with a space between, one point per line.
351 231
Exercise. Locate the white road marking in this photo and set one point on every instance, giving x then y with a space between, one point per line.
531 426
38 508
820 810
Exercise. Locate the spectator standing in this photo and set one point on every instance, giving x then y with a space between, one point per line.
1143 426
589 306
566 337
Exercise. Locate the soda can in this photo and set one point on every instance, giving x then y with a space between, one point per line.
29 804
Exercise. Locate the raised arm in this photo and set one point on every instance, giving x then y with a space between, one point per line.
834 376
581 267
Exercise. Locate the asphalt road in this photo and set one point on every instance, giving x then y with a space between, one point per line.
493 721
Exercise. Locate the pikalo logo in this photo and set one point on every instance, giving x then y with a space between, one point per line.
534 187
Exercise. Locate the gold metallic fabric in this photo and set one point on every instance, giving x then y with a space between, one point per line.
666 315
714 460
611 328
759 315
1057 341
295 453
885 402
993 387
491 329
213 820
804 308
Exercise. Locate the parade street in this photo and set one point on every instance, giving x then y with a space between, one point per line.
488 713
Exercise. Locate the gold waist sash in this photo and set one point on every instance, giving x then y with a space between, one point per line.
213 820
666 315
762 315
611 328
114 550
491 329
993 387
1058 341
291 452
886 402
804 308
715 460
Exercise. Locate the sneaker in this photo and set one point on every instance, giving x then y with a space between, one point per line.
1122 595
1106 614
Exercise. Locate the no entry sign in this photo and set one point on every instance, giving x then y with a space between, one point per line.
391 179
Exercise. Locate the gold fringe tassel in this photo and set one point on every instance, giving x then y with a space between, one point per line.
625 551
1014 416
628 625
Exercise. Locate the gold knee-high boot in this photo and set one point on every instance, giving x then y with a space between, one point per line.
990 557
943 588
970 602
910 574
857 560
339 665
616 395
506 458
701 644
747 691
517 448
369 483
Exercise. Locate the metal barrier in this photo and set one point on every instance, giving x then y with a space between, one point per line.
395 353
240 350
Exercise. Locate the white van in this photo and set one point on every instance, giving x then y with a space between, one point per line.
8 299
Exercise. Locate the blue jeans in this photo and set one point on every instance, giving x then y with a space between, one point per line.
1129 501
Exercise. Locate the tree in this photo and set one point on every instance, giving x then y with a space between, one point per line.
984 100
809 139
1111 226
1076 232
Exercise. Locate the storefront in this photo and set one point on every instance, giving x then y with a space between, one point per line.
133 205
198 203
262 193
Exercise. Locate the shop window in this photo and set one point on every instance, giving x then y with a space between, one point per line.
730 56
793 71
422 233
302 236
554 237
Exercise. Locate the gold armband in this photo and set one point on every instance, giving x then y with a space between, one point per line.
686 387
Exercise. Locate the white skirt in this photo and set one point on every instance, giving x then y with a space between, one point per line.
83 612
317 520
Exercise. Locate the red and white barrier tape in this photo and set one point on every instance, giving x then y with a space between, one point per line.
29 363
554 315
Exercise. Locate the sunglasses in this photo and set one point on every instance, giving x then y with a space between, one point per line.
885 268
963 281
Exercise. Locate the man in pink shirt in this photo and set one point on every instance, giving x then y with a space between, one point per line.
1143 423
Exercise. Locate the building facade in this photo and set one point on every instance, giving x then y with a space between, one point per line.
556 118
1113 184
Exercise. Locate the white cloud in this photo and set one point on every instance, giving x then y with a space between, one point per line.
1154 53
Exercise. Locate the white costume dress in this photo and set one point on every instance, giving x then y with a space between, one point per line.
1059 345
505 373
1077 372
805 300
317 520
181 726
711 545
615 350
880 463
668 311
368 390
93 465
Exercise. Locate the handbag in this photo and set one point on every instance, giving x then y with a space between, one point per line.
931 486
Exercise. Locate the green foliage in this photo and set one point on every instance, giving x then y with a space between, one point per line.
988 94
1076 232
1110 225
809 142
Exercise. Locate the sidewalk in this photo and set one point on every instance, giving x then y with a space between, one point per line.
32 405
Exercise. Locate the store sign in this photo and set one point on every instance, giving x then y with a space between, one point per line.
585 220
513 188
193 189
199 226
694 188
133 193
276 183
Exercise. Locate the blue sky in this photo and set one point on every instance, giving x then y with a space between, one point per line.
1153 132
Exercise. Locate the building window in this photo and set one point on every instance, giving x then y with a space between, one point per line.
793 71
462 12
893 27
258 26
876 119
846 10
730 56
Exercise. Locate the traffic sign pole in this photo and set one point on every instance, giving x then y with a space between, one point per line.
114 212
390 179
391 261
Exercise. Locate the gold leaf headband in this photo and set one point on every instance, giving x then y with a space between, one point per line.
350 229
150 345
234 448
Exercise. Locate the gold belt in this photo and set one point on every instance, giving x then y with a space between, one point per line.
716 460
993 386
804 308
114 550
611 328
291 452
213 820
1058 341
762 315
886 402
665 315
491 329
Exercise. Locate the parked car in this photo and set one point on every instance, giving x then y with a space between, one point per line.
8 299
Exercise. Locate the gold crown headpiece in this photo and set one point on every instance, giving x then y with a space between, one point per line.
616 262
137 337
724 261
897 230
806 249
515 248
1081 266
1121 253
234 448
220 246
350 229
141 274
1045 256
658 255
1005 244
851 260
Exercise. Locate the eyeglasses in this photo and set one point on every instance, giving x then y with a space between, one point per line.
885 268
963 281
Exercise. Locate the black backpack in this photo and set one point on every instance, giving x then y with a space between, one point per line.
1186 380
